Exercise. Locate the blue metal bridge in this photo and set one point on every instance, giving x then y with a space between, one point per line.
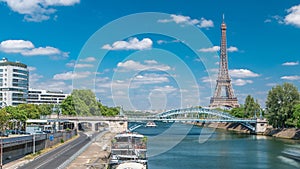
194 115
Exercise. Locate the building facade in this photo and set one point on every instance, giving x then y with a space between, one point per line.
36 96
14 83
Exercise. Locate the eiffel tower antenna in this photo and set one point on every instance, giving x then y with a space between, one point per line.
224 95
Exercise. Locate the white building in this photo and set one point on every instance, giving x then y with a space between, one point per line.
13 83
36 96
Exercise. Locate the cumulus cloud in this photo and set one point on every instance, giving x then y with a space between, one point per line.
180 19
151 62
165 89
37 10
211 49
149 78
88 59
132 44
295 77
79 65
130 65
242 73
31 68
293 16
71 75
232 49
241 82
204 23
291 63
26 48
217 48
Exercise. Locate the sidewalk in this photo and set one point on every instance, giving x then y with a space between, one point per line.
96 155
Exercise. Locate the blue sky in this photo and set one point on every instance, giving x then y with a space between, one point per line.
161 60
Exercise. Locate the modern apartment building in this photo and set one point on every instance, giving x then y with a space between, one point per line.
36 96
14 82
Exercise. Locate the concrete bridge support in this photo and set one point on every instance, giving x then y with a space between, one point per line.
261 126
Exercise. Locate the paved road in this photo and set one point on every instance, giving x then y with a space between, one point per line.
55 158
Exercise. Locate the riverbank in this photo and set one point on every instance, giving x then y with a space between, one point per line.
236 127
287 133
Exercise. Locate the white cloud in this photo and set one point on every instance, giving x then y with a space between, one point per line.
212 49
41 51
180 19
133 65
71 75
150 78
166 42
15 46
79 65
33 78
31 68
26 48
295 77
82 65
165 89
232 49
242 73
151 62
53 85
293 17
132 44
204 23
37 10
217 48
241 82
88 59
290 63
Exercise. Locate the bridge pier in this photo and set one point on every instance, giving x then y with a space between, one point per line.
261 125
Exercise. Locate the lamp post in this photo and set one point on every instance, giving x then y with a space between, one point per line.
1 151
33 144
3 104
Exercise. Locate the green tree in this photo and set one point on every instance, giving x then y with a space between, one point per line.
67 106
251 107
4 117
30 110
295 119
280 102
45 109
238 112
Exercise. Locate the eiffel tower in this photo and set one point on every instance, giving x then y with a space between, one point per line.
224 95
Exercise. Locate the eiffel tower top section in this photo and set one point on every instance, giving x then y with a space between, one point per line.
223 71
224 95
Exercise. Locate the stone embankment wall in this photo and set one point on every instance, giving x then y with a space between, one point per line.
226 126
287 133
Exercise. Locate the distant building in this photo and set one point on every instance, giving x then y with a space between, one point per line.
36 96
13 83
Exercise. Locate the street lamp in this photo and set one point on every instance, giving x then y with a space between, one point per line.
33 144
1 151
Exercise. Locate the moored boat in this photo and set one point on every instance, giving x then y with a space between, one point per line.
150 124
128 149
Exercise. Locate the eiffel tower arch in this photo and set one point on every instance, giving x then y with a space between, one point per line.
224 94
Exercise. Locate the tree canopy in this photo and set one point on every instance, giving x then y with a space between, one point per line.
280 105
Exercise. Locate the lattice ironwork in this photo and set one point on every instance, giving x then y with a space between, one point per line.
224 94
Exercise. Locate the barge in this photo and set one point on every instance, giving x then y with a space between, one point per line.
128 151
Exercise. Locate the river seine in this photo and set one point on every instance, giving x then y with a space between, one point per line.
215 149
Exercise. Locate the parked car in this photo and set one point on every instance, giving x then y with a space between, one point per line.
3 134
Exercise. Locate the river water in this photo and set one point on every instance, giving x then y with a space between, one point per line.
203 148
